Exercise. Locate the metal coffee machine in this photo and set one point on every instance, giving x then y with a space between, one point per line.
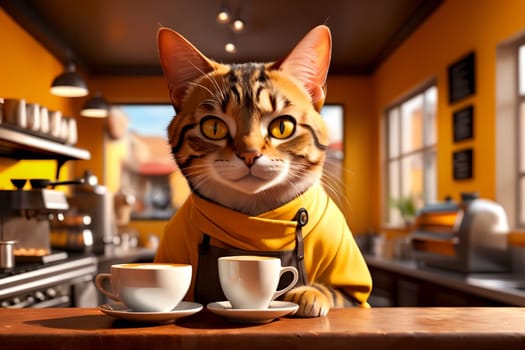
470 236
97 202
24 218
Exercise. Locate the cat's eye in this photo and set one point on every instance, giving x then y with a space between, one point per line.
213 128
282 127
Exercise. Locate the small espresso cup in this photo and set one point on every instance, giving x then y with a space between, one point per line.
251 282
147 287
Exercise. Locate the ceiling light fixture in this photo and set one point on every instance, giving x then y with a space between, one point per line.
69 83
238 25
235 25
223 16
95 107
230 47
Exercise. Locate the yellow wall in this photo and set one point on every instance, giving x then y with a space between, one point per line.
356 95
26 71
456 28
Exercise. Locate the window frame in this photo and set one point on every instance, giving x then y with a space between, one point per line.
520 138
427 150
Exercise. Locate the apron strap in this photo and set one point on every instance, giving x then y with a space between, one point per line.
302 219
204 247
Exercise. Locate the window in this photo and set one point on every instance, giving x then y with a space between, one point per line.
520 120
139 160
411 152
510 129
333 115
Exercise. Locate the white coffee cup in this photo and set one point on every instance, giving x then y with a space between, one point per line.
72 137
250 282
15 112
33 116
147 287
55 123
44 120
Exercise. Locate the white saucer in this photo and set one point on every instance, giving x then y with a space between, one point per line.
119 310
276 309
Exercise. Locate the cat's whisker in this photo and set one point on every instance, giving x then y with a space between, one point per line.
195 84
198 177
197 169
332 180
219 94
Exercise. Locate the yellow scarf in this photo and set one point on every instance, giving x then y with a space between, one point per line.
331 255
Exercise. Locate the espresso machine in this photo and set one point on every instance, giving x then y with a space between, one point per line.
95 201
25 219
468 237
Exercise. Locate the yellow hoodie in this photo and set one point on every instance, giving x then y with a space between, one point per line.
331 255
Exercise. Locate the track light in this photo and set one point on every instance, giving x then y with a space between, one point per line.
69 83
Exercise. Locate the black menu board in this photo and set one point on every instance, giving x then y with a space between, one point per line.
462 78
462 164
463 124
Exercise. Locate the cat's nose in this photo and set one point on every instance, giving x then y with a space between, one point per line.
249 157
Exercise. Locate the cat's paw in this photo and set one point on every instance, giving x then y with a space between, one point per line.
312 302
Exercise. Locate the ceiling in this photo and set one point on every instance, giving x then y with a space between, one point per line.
117 37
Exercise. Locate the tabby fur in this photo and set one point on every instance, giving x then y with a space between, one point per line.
249 136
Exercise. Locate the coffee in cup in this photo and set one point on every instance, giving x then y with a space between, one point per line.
251 282
147 287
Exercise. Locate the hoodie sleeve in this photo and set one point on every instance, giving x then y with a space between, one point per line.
334 257
348 270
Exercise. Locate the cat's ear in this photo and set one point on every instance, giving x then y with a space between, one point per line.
181 62
309 62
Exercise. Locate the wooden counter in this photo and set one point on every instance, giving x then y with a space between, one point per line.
379 328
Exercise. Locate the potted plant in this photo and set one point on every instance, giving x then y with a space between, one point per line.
406 208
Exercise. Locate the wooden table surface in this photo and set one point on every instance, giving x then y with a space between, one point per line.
376 328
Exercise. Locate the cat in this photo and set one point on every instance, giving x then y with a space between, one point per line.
251 143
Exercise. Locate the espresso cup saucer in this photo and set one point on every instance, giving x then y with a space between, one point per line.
121 311
277 309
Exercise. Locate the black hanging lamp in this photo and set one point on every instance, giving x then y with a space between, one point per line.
69 83
95 107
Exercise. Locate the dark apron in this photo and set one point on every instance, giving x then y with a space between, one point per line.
207 285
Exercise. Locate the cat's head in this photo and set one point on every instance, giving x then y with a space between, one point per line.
248 136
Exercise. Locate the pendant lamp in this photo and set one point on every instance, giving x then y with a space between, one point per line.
69 83
95 107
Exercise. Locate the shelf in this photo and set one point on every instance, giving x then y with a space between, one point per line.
20 145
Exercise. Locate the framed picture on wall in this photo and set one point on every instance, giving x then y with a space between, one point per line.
463 164
462 78
463 124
